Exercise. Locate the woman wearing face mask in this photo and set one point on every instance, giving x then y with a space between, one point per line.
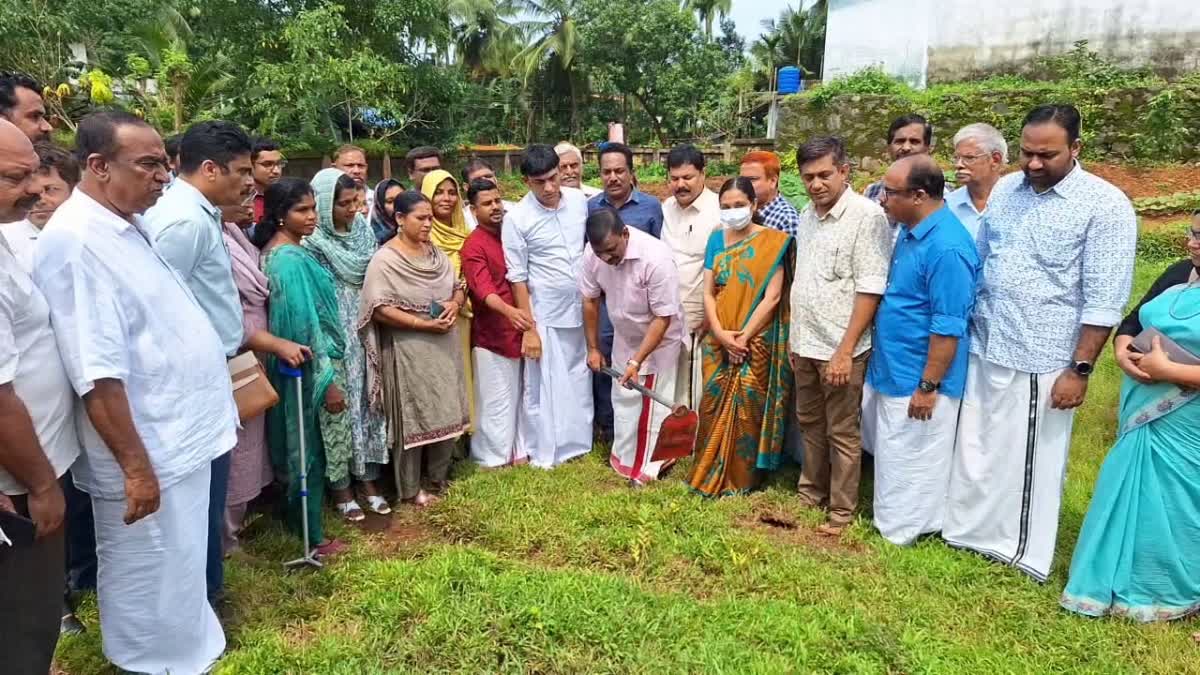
747 378
383 213
1136 554
343 243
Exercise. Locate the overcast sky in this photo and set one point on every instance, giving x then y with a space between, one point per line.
748 15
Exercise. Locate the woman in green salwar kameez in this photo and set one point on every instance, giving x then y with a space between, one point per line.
304 309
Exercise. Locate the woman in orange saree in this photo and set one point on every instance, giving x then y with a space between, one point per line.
747 378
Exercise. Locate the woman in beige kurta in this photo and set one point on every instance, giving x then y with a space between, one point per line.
409 323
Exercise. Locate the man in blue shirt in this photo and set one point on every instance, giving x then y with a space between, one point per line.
918 371
214 170
637 209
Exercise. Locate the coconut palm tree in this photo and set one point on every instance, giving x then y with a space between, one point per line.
486 36
707 11
554 41
800 37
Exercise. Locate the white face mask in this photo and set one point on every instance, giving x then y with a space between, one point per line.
735 219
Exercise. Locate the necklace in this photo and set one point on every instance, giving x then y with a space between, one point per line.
1171 310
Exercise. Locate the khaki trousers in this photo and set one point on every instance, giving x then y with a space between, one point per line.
831 419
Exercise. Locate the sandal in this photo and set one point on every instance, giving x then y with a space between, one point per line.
351 511
378 505
329 548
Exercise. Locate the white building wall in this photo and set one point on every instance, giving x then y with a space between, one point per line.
964 38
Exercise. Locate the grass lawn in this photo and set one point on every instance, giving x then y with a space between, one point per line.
570 571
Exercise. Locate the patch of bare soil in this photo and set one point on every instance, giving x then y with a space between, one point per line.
787 528
403 532
1151 181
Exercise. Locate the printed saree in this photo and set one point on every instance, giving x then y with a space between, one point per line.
1136 554
303 309
744 408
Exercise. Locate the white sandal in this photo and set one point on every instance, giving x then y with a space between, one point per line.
351 511
378 505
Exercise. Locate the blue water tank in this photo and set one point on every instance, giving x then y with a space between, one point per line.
789 80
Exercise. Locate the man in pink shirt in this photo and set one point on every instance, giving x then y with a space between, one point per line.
636 274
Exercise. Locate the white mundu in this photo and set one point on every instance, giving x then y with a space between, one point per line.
912 464
636 423
1004 504
543 248
499 439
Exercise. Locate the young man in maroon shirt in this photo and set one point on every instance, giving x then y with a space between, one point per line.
496 331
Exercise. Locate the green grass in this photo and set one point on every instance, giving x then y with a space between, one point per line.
571 572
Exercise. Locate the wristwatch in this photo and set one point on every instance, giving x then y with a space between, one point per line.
929 387
634 363
1082 368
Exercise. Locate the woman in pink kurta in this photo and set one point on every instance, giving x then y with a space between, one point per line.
250 470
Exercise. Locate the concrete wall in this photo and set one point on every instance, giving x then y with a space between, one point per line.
961 39
890 33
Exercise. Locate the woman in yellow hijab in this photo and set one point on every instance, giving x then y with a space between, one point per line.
448 234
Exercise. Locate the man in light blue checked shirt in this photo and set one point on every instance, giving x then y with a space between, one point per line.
1057 245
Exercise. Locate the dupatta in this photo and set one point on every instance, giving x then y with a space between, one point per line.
348 253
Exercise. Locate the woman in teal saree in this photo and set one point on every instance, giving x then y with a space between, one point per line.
303 308
1138 554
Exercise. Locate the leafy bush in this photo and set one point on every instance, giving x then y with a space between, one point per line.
792 189
866 81
1166 245
1180 202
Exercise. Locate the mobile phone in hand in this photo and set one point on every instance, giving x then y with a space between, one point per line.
436 309
20 530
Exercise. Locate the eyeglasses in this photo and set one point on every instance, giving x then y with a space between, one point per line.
268 165
149 164
1193 235
889 192
968 159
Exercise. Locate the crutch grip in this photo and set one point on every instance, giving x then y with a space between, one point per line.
288 371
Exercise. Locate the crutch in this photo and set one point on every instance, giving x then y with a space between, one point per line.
309 557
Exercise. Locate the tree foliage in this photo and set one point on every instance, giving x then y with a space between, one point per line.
320 72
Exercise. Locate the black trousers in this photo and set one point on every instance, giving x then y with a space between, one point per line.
81 538
31 587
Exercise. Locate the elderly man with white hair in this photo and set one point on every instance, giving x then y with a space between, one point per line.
570 169
980 153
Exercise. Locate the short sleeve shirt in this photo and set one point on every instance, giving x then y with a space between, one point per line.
121 311
30 362
838 256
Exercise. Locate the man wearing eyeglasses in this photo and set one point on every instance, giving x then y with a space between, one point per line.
980 153
267 165
141 352
919 366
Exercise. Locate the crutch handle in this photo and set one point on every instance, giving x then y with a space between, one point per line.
288 371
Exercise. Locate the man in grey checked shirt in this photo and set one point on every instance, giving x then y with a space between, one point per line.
1057 245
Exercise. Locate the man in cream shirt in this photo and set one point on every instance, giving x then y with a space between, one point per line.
689 219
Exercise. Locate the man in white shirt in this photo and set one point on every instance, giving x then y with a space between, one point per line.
543 239
690 216
980 153
570 169
843 248
37 437
150 368
1057 246
477 169
56 176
